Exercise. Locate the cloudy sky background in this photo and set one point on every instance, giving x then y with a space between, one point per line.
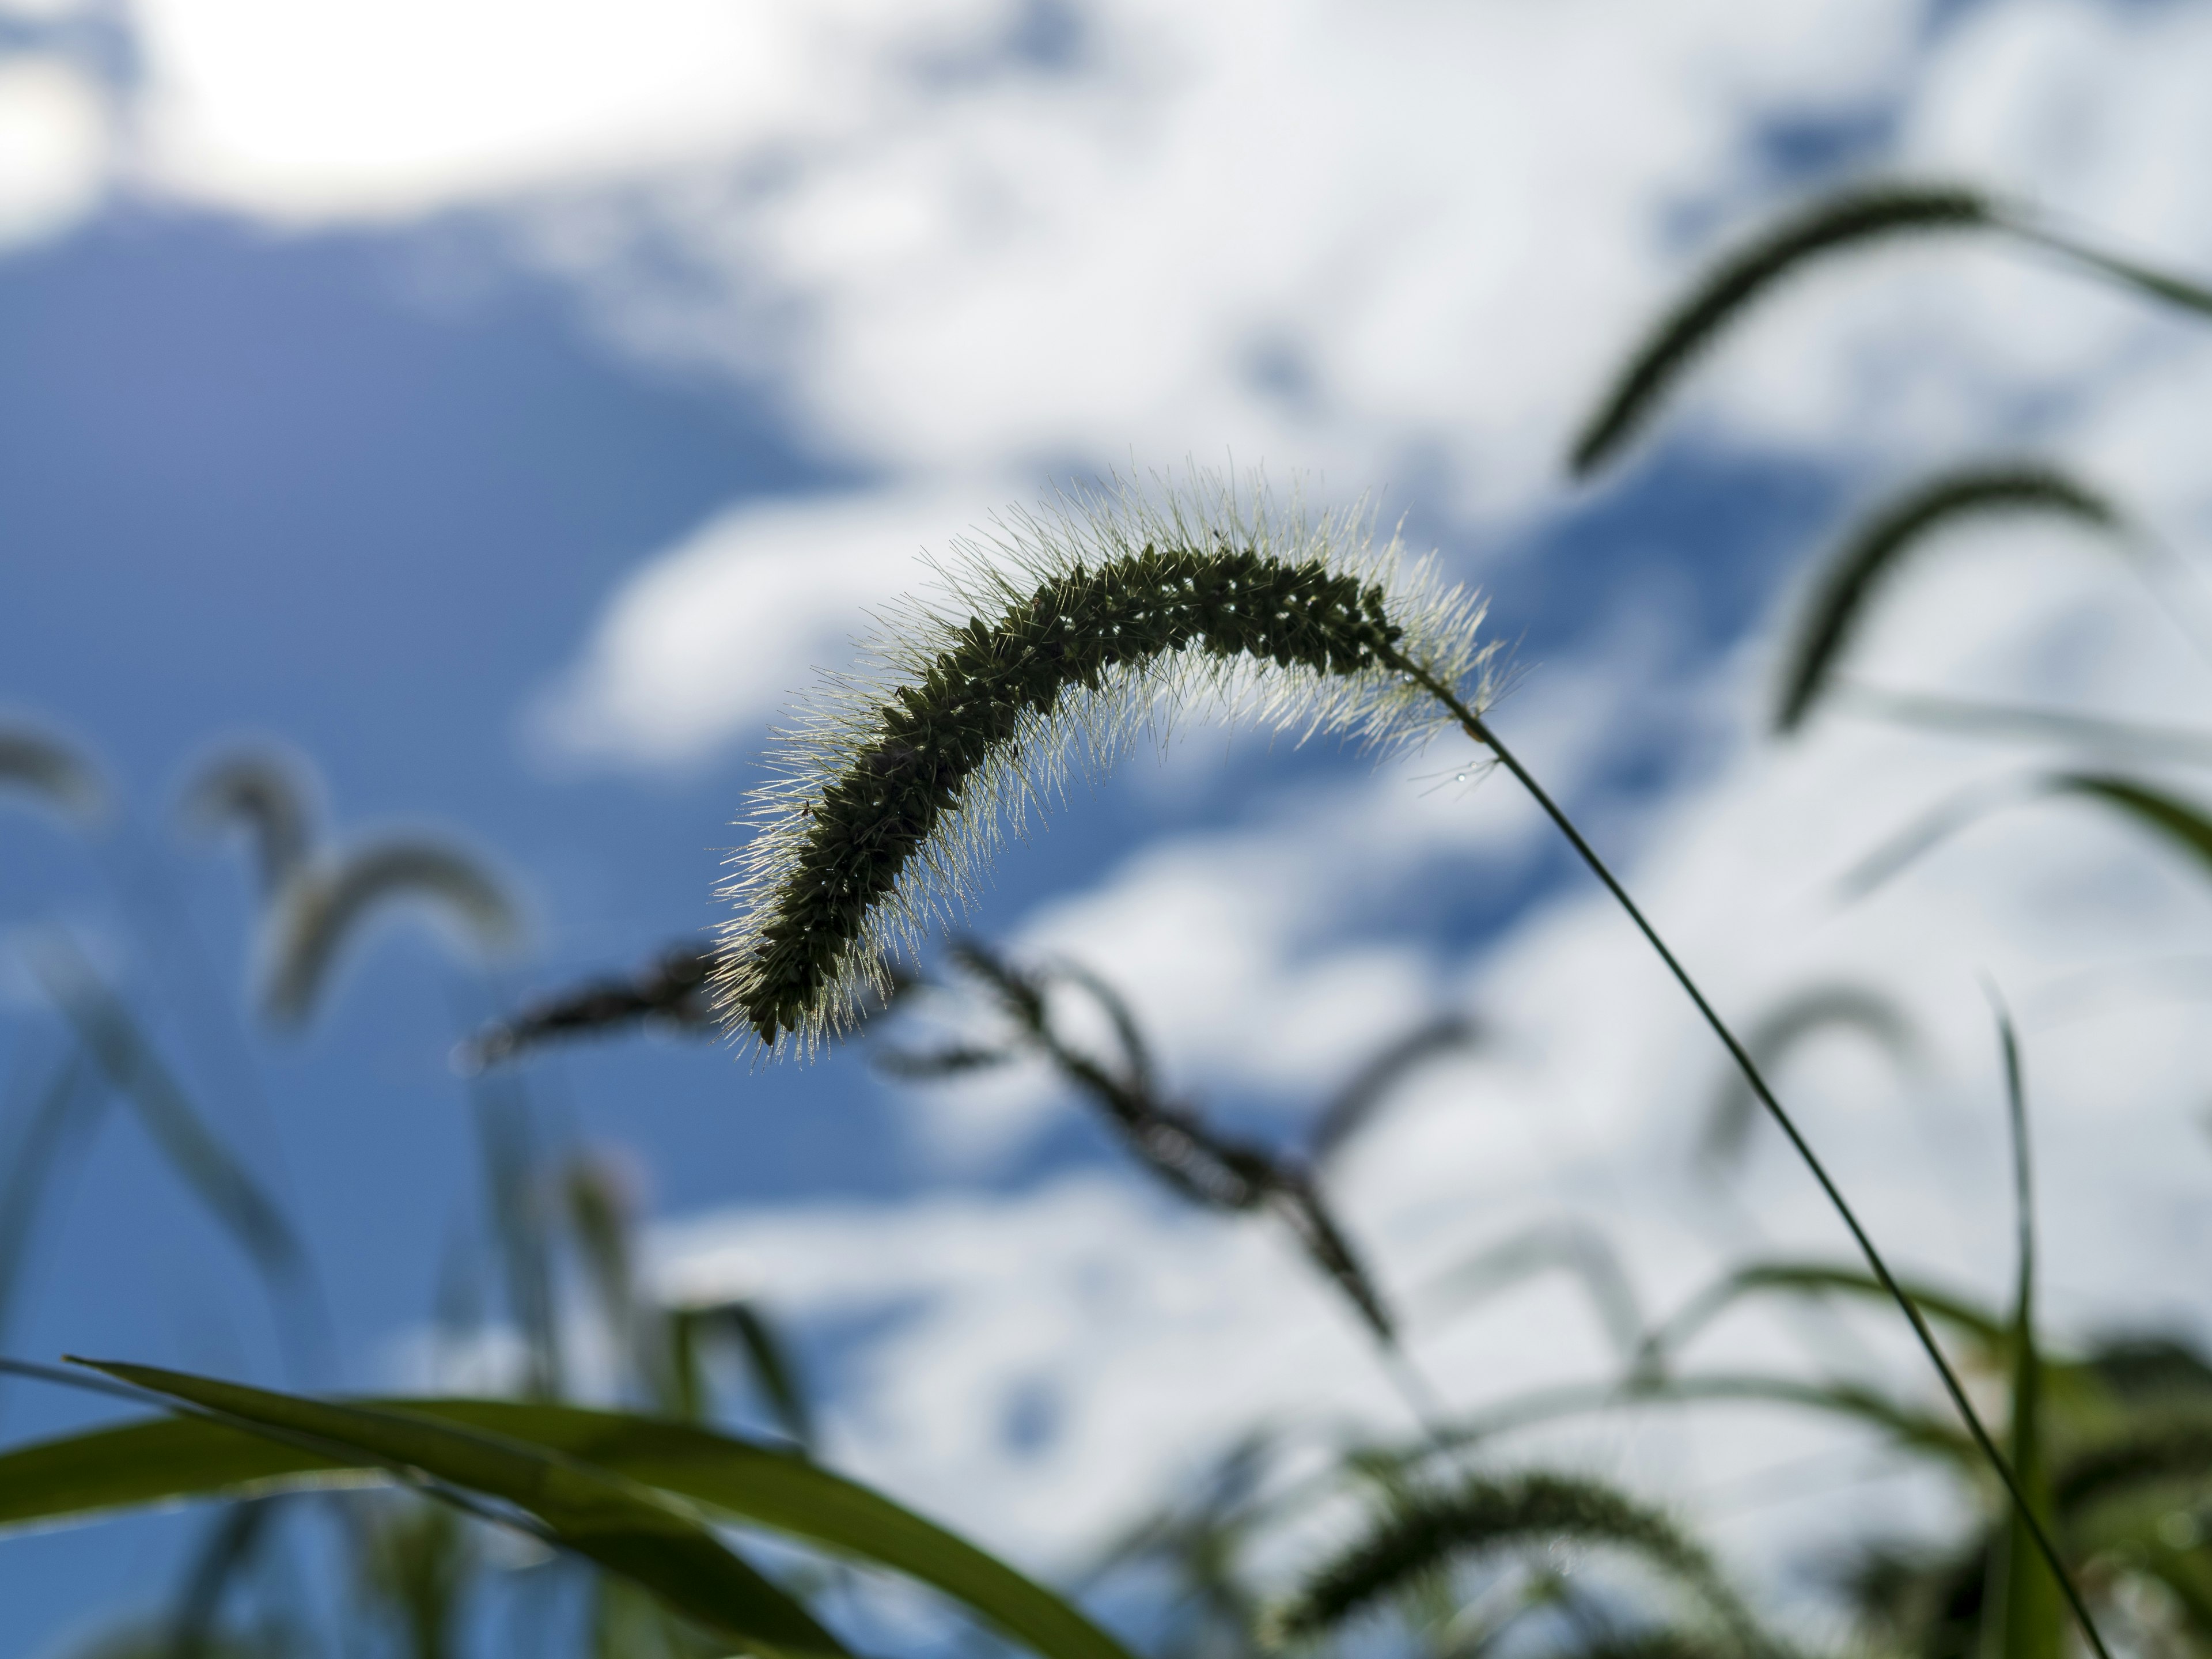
509 407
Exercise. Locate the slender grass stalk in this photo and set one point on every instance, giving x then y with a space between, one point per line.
1478 729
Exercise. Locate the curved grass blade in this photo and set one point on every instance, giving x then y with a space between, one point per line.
2180 822
1849 219
145 1463
111 1036
1879 546
1364 1095
230 1552
1807 1014
63 1114
1580 1250
2177 291
1816 1279
1423 1535
416 1563
615 1521
315 916
267 795
2022 1589
519 1230
2026 722
52 770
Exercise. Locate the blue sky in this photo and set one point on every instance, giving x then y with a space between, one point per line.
430 456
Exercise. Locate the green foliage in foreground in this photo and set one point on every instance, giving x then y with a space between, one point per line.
625 1490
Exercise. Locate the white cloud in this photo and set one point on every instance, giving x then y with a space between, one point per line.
53 147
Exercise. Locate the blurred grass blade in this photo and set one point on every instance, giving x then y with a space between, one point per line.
1793 1278
2180 822
1848 219
598 1215
49 767
1579 1249
2168 289
1907 1425
109 1033
157 1462
1880 544
1806 1015
230 1552
266 795
316 913
2029 723
774 1371
2031 1615
1370 1088
519 1229
610 1519
61 1117
1423 1535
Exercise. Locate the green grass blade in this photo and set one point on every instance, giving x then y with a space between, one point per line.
315 915
2180 822
1570 1246
1849 219
1804 1279
165 1462
2168 289
517 1202
1880 545
109 1033
2025 1597
49 767
1777 1033
64 1113
609 1519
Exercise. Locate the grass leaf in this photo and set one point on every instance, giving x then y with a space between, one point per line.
156 1463
266 795
1796 1279
1364 1095
1807 1014
316 915
2181 823
111 1036
2022 1592
612 1520
1878 546
50 767
1848 219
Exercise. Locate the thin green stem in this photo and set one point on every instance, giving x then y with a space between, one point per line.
1478 729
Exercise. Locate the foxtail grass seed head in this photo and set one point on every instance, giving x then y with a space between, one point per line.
1052 638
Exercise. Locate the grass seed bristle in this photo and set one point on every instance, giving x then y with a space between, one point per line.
1057 636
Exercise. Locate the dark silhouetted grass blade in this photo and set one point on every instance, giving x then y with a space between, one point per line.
2022 1591
1850 219
1876 549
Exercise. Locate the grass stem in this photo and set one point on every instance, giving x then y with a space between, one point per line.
1478 729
